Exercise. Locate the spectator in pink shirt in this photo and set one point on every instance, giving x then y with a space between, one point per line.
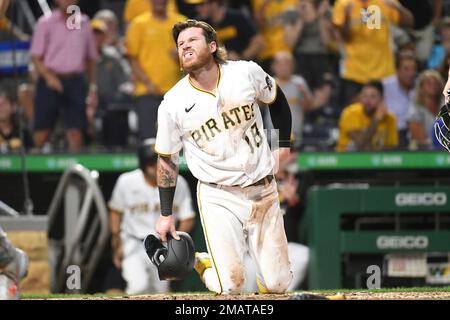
64 52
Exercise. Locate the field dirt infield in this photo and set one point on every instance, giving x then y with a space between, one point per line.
397 295
293 296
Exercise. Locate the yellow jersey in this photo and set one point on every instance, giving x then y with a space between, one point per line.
4 24
275 15
368 55
150 42
354 119
133 8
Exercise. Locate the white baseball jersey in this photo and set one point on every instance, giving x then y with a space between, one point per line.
220 132
139 203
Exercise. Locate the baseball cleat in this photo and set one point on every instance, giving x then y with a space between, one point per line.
261 288
202 262
12 274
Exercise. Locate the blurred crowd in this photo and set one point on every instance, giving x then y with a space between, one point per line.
360 75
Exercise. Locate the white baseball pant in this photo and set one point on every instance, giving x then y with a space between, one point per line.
235 220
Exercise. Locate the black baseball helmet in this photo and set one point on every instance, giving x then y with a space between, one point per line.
175 260
146 153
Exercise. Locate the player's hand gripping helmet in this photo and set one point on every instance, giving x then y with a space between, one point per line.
442 127
173 261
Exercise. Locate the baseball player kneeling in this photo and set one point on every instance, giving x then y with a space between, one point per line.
213 115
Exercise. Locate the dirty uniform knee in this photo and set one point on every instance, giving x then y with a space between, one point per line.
235 282
278 287
279 284
233 289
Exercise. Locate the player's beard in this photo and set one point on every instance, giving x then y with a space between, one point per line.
203 58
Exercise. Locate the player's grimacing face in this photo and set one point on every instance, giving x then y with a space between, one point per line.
193 50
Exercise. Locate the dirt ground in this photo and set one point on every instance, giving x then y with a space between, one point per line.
292 296
398 296
299 296
35 244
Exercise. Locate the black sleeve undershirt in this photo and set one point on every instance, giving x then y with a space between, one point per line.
280 112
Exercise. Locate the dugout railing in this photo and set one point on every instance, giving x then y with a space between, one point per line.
78 229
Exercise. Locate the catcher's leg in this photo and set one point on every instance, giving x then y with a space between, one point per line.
267 241
224 237
13 268
6 249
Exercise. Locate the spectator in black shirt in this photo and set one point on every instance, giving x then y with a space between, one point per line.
427 16
236 31
110 124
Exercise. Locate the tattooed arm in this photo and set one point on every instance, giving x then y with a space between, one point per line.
166 177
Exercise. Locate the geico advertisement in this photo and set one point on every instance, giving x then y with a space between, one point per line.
415 199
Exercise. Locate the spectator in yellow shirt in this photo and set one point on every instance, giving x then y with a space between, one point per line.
364 29
271 18
133 8
154 62
368 125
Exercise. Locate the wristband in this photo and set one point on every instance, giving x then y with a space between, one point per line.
166 196
284 144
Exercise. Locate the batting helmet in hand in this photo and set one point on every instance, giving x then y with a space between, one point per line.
442 127
175 260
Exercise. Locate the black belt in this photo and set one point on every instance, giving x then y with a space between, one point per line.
267 179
